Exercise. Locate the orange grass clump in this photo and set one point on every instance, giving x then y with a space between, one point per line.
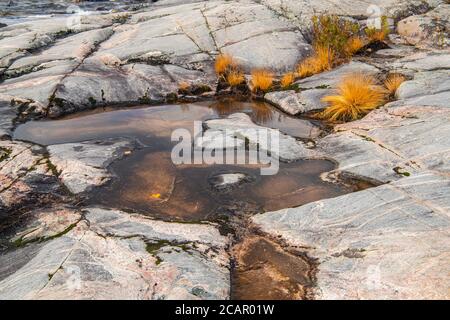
393 82
353 45
321 60
287 79
223 63
357 95
262 80
235 78
184 86
376 35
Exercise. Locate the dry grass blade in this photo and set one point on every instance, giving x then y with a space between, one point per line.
287 79
357 95
235 78
393 82
262 80
353 45
223 63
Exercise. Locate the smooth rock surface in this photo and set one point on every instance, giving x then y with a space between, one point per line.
82 166
424 61
25 177
330 79
238 130
390 143
428 88
392 241
294 103
115 255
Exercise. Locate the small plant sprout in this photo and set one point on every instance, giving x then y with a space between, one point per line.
393 82
357 94
235 77
287 80
262 80
223 64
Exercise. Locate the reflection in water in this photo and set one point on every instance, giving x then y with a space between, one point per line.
184 192
258 111
146 123
149 182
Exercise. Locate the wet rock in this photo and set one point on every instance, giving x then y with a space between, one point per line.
115 255
82 166
430 29
363 240
238 130
228 181
330 79
389 144
295 103
25 178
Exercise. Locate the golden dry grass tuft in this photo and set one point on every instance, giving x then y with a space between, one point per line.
184 86
235 77
354 44
393 82
224 63
262 80
287 79
321 60
357 94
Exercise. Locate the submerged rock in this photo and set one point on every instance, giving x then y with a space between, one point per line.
228 181
114 255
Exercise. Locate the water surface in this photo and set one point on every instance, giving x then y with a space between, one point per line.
148 182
